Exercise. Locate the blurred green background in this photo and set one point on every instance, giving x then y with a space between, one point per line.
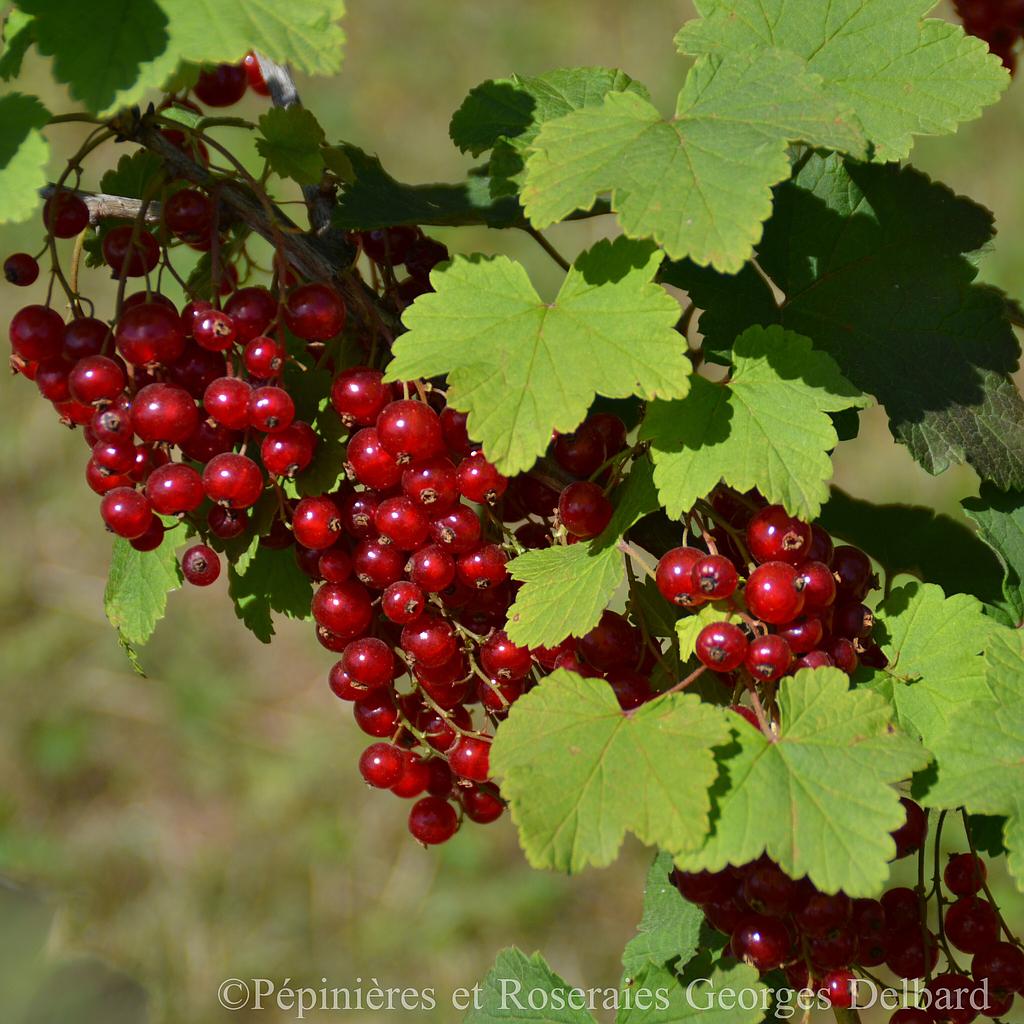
209 821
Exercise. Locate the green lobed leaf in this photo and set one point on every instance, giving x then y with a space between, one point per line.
987 775
19 34
766 427
567 587
267 580
133 176
900 74
505 994
374 199
934 646
579 773
820 800
670 927
290 143
915 540
522 367
931 345
700 183
23 156
999 517
327 470
135 598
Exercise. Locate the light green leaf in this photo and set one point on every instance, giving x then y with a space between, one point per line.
699 184
901 75
522 367
979 753
820 800
766 427
566 588
266 580
999 516
689 626
504 996
701 994
579 773
137 586
291 143
934 646
23 156
670 927
19 35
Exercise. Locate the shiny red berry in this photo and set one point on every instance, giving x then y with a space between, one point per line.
150 333
410 431
164 413
129 256
715 577
21 269
316 523
773 535
270 409
380 765
95 379
965 874
233 480
175 488
65 215
674 577
314 312
200 565
433 820
721 646
221 86
36 333
126 512
910 836
774 593
768 658
252 310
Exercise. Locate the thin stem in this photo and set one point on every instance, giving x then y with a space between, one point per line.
984 883
762 718
939 899
922 903
684 683
630 551
547 247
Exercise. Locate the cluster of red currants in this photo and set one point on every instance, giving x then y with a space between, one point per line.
824 942
803 597
999 22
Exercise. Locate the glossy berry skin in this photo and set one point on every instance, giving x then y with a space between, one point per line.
410 431
853 572
114 457
705 886
316 523
674 577
264 357
359 395
768 658
377 715
457 530
378 565
852 620
369 662
479 481
402 601
581 452
721 646
126 512
965 874
415 777
372 465
314 312
401 522
432 484
429 641
226 401
773 535
343 608
200 565
843 654
431 568
213 330
388 245
188 212
971 924
433 821
150 333
483 568
953 991
151 539
163 412
94 380
36 333
1001 965
52 380
761 941
767 889
819 586
583 509
289 451
333 565
715 577
252 310
803 635
270 409
612 644
502 659
840 987
226 523
175 488
85 336
127 257
221 86
482 803
471 758
823 913
254 76
380 765
21 269
910 836
65 215
233 480
774 593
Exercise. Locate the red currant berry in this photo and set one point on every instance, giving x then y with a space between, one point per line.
221 86
65 215
343 608
471 758
400 521
378 565
207 440
114 457
200 565
226 401
502 659
264 357
213 330
819 586
768 658
1001 965
21 269
815 659
233 480
612 644
483 568
843 655
163 412
53 380
773 535
761 941
95 379
853 572
674 577
804 634
972 924
128 257
377 715
852 620
150 333
36 333
372 465
254 76
380 765
869 924
188 213
410 431
315 312
226 523
252 310
359 395
151 539
479 481
334 564
458 531
126 512
433 820
951 999
775 593
721 646
703 887
715 577
316 523
965 874
429 640
85 336
388 245
583 509
767 888
431 568
910 836
840 988
289 451
580 453
456 434
369 662
175 488
432 484
402 601
482 803
270 409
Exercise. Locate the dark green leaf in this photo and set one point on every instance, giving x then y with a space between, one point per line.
999 517
268 580
291 144
133 176
327 469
